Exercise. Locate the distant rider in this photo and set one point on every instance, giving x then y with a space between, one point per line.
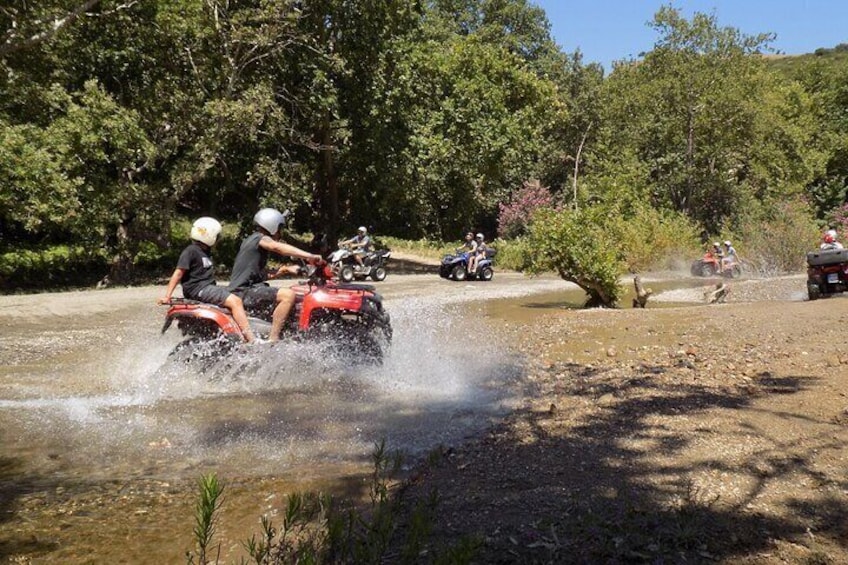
829 241
469 247
360 244
729 256
250 268
196 271
716 251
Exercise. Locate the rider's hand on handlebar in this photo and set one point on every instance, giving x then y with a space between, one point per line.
164 300
316 260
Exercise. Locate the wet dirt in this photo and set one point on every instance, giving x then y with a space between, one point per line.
678 433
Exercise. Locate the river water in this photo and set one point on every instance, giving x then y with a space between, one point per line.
92 409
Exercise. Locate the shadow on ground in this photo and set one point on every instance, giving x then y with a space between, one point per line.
612 485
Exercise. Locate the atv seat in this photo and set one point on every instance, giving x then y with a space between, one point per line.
827 257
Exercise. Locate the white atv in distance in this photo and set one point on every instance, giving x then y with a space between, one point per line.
347 269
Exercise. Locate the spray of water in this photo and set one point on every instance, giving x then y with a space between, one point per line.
138 409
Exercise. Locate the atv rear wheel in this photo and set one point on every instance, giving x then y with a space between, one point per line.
707 270
346 273
379 274
486 273
459 273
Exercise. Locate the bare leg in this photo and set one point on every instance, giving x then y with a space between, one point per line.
236 306
285 301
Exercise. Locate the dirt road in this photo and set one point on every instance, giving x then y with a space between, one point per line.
667 435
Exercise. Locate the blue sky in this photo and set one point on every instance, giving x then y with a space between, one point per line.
609 30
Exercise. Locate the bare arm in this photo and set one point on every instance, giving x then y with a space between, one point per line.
287 250
172 285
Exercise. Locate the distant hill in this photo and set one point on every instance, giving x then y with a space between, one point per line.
827 57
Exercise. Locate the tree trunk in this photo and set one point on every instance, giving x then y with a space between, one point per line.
327 187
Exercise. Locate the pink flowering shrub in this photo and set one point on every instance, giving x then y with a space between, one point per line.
514 216
840 222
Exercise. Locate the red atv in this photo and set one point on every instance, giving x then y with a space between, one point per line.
710 265
350 313
827 272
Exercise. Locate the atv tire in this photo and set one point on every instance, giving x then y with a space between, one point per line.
379 274
735 272
707 270
813 291
486 273
459 273
346 273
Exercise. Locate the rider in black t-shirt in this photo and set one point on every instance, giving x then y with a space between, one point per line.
249 269
196 271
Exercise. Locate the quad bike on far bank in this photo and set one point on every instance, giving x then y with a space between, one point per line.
455 267
827 272
710 266
352 314
346 268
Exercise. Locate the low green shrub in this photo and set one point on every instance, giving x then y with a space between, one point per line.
775 239
426 248
51 267
317 529
654 239
513 254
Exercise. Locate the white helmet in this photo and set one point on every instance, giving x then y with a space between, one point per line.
270 219
716 244
479 236
362 229
206 230
727 242
831 232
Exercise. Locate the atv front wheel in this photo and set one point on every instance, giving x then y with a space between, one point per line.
379 274
346 273
459 273
735 272
486 273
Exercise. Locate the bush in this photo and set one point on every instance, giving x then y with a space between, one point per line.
582 246
51 267
513 254
775 239
657 239
515 216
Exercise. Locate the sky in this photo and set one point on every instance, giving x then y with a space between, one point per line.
611 30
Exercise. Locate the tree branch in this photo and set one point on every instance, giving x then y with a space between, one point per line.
10 45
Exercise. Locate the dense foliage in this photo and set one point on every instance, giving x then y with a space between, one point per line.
419 118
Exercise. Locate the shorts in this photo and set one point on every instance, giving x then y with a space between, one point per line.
213 294
259 297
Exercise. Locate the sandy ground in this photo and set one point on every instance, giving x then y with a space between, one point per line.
689 433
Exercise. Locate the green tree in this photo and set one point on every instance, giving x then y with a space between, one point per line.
582 247
709 126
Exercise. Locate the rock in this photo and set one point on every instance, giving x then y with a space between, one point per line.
612 352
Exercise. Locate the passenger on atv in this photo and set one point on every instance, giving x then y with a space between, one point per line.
250 273
196 272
